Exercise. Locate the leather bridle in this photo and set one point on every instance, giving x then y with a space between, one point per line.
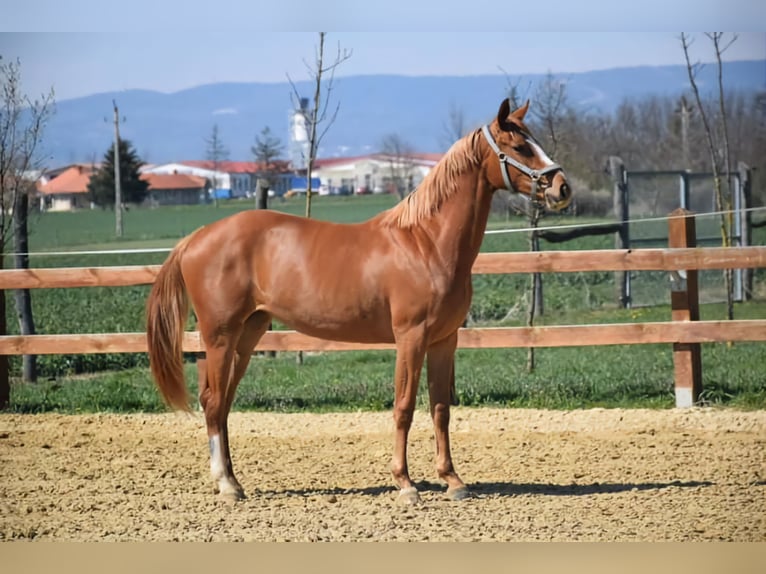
534 174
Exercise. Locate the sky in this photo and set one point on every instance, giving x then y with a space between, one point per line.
156 46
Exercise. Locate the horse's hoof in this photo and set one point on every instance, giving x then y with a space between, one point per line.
233 495
459 493
408 496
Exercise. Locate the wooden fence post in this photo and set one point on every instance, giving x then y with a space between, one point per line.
684 300
5 376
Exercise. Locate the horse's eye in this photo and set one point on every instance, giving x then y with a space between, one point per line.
523 149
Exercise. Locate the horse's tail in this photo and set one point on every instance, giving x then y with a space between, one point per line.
166 311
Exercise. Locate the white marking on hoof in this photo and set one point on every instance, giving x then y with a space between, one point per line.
228 487
408 495
230 492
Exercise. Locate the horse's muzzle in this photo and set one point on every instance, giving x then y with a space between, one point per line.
559 195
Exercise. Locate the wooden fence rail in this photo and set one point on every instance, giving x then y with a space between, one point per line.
486 263
685 331
473 338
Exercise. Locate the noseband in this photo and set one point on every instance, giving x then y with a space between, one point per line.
533 174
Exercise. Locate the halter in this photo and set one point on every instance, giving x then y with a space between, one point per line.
533 174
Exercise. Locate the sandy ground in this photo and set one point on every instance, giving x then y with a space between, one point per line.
627 475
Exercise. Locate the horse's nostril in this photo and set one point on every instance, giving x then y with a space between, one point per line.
564 191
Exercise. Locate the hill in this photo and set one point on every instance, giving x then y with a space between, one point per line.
167 127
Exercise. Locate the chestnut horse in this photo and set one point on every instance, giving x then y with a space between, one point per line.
402 277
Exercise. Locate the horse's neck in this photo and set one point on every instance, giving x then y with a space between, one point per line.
459 228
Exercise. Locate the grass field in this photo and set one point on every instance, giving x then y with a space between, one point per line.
639 375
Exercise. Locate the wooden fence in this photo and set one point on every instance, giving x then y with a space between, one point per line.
684 331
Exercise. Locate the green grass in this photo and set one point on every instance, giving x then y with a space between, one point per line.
579 377
609 376
94 229
565 378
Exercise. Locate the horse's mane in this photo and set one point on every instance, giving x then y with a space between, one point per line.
440 184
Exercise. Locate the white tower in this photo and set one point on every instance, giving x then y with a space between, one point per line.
299 135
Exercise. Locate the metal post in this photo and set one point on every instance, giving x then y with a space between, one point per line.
621 211
745 216
683 191
737 273
117 181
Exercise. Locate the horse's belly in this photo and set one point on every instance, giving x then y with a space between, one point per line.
357 328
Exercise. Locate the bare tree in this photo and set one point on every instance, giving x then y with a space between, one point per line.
323 76
548 115
455 126
216 153
400 163
722 200
549 110
22 122
513 89
716 37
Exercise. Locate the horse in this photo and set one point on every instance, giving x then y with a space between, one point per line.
402 277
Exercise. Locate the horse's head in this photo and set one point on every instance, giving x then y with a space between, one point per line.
523 166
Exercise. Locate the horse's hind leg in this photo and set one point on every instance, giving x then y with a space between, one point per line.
227 359
218 358
441 377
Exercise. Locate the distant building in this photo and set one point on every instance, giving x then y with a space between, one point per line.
232 180
376 173
175 189
220 182
66 188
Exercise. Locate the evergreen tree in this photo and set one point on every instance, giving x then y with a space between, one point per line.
216 153
101 185
267 149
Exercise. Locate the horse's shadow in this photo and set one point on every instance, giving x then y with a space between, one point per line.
498 489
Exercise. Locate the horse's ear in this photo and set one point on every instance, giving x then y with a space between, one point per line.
521 112
503 112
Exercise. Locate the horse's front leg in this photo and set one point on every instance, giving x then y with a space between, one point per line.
410 354
441 377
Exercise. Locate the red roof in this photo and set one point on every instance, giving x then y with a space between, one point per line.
330 161
227 166
235 166
72 180
434 157
75 180
173 181
420 158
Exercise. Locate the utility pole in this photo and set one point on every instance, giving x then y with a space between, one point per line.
117 185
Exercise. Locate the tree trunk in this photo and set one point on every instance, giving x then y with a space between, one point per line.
261 194
22 296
